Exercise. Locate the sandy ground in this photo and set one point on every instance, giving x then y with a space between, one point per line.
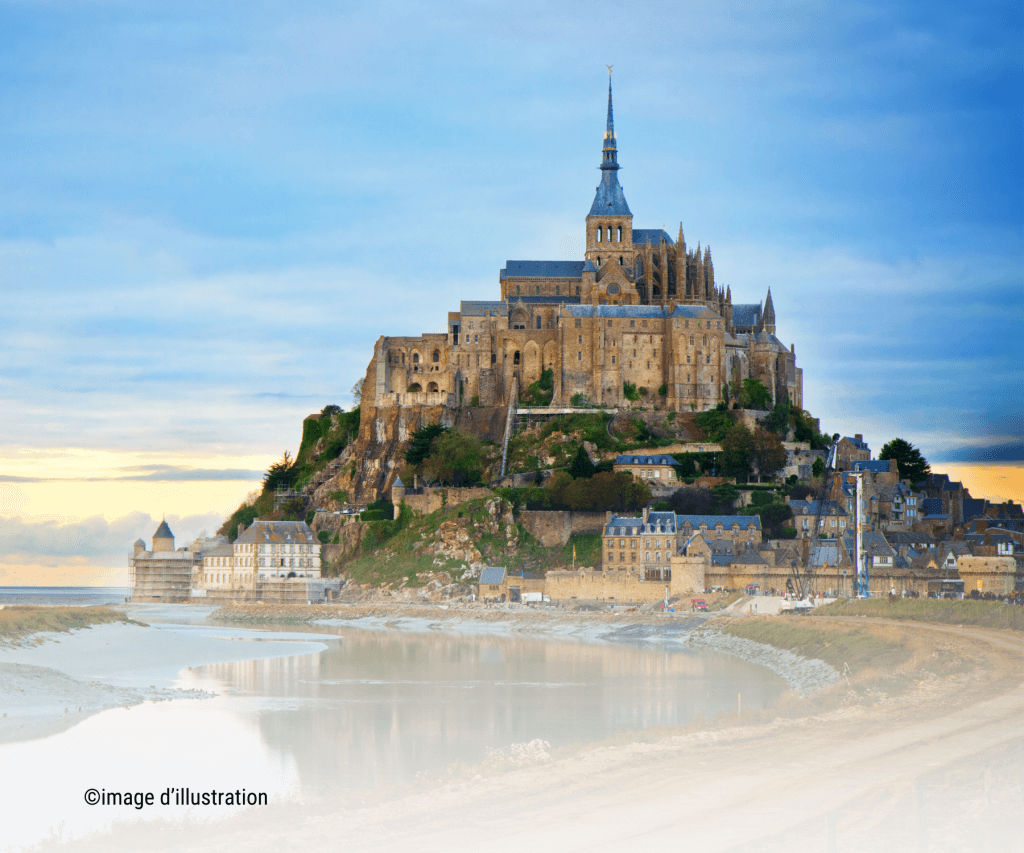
49 682
939 767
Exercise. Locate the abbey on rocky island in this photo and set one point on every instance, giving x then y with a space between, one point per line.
640 309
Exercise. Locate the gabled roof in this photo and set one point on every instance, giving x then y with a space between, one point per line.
542 269
654 236
875 466
277 533
856 442
492 575
483 309
746 315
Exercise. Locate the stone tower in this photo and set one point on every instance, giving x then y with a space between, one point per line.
610 221
163 539
768 317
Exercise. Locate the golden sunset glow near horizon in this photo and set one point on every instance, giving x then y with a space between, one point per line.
83 496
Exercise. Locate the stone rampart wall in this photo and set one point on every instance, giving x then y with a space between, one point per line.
553 528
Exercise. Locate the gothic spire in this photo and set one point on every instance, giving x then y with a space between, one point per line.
609 198
768 314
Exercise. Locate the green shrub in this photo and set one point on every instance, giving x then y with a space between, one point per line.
341 496
324 536
663 391
629 391
310 515
474 401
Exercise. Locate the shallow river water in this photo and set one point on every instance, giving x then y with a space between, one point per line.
377 708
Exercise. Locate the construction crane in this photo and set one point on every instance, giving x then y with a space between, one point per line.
801 580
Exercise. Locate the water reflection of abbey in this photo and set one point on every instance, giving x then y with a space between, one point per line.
639 308
380 708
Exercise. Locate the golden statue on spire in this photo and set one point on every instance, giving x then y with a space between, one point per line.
609 67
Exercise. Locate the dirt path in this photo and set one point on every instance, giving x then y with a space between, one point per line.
939 768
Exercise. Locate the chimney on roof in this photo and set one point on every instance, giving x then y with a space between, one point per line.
241 528
647 512
858 436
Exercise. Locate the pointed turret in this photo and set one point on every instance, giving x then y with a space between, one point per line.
768 318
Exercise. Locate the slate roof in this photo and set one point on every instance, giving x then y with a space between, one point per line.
811 508
727 521
652 235
748 557
163 532
746 315
609 198
657 522
644 460
483 309
277 533
221 549
875 466
875 545
656 312
492 575
856 442
564 300
824 551
973 507
542 269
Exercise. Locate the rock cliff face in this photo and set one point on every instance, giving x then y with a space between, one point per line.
369 465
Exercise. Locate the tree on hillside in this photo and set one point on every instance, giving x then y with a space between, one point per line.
725 495
755 395
737 452
600 493
280 474
715 423
357 394
582 467
767 454
818 468
692 500
778 419
419 444
911 464
454 460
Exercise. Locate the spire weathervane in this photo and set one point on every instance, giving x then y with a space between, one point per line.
609 67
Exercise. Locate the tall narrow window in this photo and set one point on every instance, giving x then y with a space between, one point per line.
538 322
600 233
618 235
609 233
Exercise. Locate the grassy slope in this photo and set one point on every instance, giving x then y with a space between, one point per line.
856 647
987 614
393 551
22 620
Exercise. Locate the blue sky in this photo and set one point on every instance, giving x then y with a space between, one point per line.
209 212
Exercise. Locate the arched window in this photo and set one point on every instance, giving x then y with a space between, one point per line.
618 235
558 290
609 233
515 358
600 233
415 358
621 261
436 357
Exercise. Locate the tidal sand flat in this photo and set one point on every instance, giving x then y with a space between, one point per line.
931 763
51 681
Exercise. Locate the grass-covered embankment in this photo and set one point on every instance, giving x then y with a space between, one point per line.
986 614
23 620
838 645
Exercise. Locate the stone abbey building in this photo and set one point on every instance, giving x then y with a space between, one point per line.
639 308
